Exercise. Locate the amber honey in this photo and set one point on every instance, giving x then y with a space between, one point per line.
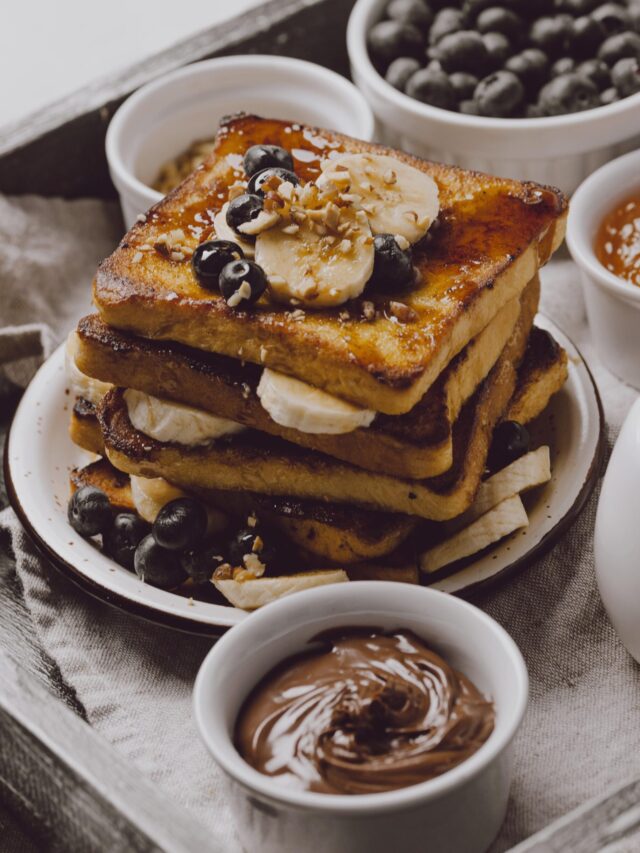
617 243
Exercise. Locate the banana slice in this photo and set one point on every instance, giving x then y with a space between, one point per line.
82 385
317 266
256 592
397 198
150 494
292 403
225 232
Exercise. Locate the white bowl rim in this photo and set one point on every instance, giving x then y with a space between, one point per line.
580 243
363 593
359 55
127 109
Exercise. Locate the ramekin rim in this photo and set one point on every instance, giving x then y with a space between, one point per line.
239 770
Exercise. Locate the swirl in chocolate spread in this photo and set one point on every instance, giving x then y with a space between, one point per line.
367 712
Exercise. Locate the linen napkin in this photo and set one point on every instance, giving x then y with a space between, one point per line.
582 729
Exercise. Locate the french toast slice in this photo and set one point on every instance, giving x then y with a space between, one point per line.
415 445
543 371
491 237
254 461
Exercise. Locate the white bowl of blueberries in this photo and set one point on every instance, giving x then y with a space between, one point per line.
547 90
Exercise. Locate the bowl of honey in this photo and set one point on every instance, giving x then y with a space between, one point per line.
603 235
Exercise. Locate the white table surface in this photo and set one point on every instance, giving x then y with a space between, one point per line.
50 49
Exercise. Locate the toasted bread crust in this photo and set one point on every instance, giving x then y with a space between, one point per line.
543 372
492 236
415 445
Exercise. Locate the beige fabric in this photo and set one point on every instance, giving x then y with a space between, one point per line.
582 728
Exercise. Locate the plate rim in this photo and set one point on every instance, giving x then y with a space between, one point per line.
183 623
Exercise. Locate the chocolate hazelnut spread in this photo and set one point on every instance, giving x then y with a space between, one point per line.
366 712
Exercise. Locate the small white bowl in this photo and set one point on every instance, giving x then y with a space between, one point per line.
613 304
161 119
559 150
461 810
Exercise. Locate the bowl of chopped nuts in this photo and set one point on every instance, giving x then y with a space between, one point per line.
166 129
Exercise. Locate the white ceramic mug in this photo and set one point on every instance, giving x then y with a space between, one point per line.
461 811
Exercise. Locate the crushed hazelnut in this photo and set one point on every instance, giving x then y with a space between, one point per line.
404 313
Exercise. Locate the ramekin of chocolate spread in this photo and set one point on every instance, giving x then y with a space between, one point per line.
368 716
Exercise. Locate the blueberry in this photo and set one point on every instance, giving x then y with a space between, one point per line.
552 34
242 283
400 70
464 84
610 95
123 537
625 75
258 180
531 67
247 545
576 7
585 37
568 93
498 48
596 71
415 12
180 524
469 107
209 258
201 563
510 441
431 87
260 157
463 51
89 511
500 94
446 21
620 46
243 209
156 565
392 266
387 40
496 19
612 17
563 66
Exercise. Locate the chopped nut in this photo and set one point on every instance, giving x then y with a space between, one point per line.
390 177
246 391
368 310
254 564
137 257
252 521
177 256
331 215
402 242
141 217
291 229
298 314
264 220
258 545
243 292
345 246
404 313
224 572
343 316
241 575
286 190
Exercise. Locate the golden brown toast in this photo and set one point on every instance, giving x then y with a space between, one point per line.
415 445
254 461
543 372
492 235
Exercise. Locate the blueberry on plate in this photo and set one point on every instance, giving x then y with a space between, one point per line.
620 46
89 511
464 84
612 17
625 75
597 71
552 34
242 283
499 20
247 546
568 93
122 538
180 524
260 178
243 209
392 265
498 48
446 21
260 157
400 70
563 66
531 67
431 86
156 565
209 258
585 37
463 51
500 94
510 441
415 12
200 563
387 40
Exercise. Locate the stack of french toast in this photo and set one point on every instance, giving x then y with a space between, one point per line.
333 341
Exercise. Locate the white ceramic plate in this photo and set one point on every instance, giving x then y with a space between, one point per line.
39 456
